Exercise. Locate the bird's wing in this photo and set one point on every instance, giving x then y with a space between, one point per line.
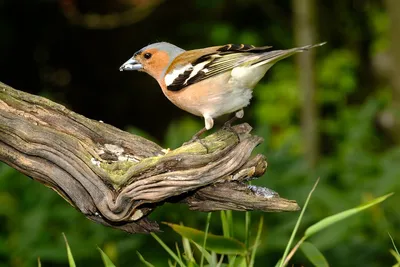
224 58
213 61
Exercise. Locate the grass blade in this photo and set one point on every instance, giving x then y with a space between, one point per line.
106 260
205 237
296 227
314 255
232 261
247 229
187 249
39 264
170 264
213 259
206 254
230 222
394 245
256 242
226 228
167 249
148 264
178 251
221 260
69 253
396 256
324 223
225 224
216 243
240 262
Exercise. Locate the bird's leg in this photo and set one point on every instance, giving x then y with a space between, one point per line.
238 115
228 125
196 136
209 123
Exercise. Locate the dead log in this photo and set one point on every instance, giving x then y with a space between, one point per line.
117 178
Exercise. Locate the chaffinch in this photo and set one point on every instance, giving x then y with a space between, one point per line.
208 82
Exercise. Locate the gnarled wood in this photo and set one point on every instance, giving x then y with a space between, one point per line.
118 179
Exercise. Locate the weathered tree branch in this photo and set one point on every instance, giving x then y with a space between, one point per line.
118 179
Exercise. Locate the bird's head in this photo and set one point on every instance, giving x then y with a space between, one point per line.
153 59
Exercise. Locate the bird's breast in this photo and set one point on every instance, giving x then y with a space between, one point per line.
213 97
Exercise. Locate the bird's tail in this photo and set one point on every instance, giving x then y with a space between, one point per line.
272 57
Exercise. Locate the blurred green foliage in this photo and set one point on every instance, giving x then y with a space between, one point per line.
358 160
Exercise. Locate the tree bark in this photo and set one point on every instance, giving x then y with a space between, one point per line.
304 25
118 179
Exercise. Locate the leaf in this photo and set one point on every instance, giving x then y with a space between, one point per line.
216 243
69 253
324 223
148 264
106 260
314 255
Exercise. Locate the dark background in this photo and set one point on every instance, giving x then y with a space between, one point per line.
70 52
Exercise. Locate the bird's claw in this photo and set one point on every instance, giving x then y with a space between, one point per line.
196 138
227 126
192 140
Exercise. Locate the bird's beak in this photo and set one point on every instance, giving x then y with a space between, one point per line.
131 64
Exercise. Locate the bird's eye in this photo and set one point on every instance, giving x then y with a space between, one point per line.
147 55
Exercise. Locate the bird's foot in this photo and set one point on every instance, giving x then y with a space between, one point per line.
228 126
196 138
192 140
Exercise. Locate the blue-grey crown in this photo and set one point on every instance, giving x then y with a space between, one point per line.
172 50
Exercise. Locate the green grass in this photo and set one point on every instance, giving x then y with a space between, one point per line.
225 250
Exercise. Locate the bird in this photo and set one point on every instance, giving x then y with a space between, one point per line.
208 82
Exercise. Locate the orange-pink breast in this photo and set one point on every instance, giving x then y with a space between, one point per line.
214 96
